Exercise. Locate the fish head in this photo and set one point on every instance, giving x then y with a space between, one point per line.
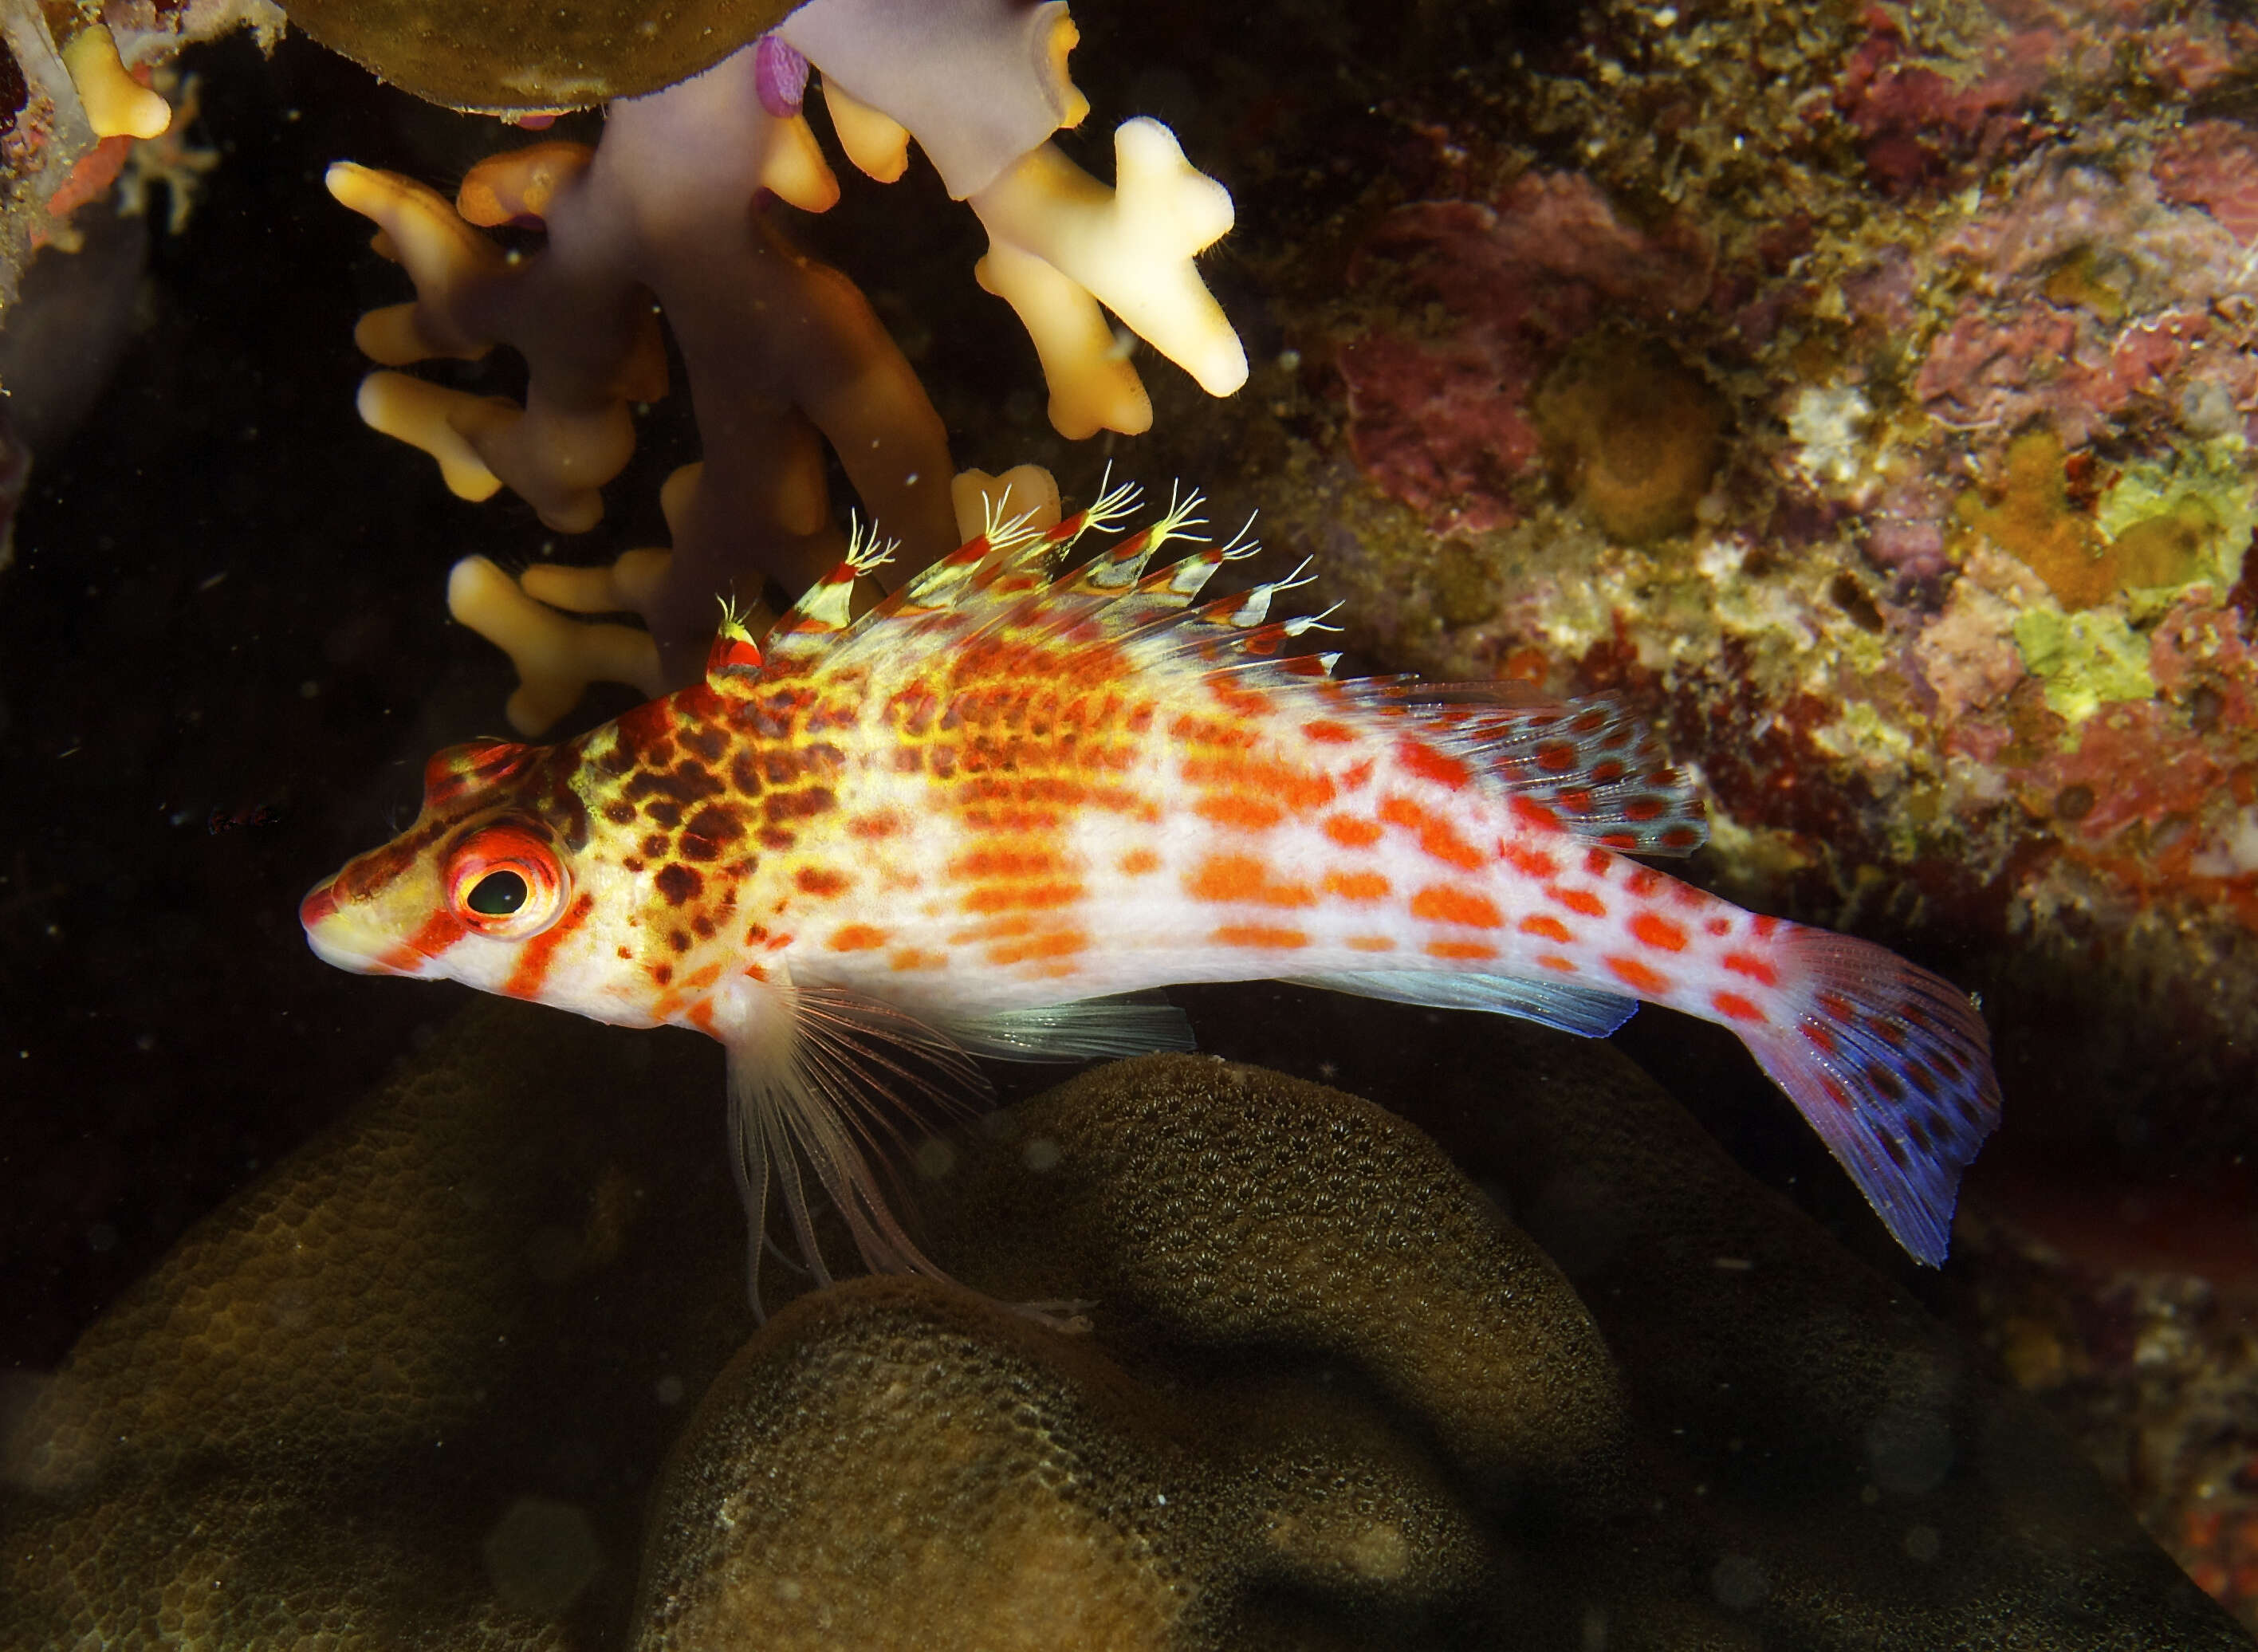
492 887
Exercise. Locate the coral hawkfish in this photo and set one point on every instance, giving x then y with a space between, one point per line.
983 816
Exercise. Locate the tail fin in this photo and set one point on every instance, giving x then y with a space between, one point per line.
1892 1066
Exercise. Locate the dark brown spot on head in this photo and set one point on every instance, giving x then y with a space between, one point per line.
745 774
710 831
804 804
706 742
678 939
661 973
654 846
776 838
664 810
679 882
619 811
703 926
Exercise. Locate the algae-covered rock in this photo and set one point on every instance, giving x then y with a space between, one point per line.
428 1385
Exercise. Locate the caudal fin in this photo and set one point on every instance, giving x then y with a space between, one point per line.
1892 1066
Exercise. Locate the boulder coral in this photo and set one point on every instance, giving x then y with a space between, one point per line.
1327 1392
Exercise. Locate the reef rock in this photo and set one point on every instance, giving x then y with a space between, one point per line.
418 1386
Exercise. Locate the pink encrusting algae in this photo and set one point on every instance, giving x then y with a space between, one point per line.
971 821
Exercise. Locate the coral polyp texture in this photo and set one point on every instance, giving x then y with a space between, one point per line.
675 206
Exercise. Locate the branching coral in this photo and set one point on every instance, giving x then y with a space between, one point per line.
781 351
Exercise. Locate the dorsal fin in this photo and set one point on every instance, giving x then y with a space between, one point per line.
826 609
1584 766
1587 766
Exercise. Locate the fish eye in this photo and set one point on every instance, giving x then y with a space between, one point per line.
498 894
507 880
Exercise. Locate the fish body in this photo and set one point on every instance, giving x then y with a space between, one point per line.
978 816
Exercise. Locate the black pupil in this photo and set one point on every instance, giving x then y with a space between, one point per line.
497 895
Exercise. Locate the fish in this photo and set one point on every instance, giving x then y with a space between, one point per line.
996 813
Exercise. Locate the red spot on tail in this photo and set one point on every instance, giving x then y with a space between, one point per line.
1755 968
1576 900
1660 932
1636 975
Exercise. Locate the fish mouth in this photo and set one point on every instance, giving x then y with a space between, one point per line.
340 938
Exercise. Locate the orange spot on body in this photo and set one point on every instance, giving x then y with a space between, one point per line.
995 861
1441 904
1554 962
1659 933
1740 1008
911 958
1636 975
1357 776
1576 900
1356 886
1643 881
1421 759
1530 862
702 978
1463 951
1286 785
1718 926
1755 968
1437 837
1763 927
1598 863
1260 935
1350 831
1242 878
1370 943
1242 702
1007 898
701 1016
1535 815
856 938
1061 943
1551 928
1238 809
1331 733
821 881
1138 863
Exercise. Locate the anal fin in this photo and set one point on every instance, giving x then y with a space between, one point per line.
1577 1010
1083 1030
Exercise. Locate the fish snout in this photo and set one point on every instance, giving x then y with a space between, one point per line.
341 936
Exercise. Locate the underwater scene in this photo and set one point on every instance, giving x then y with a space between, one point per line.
929 823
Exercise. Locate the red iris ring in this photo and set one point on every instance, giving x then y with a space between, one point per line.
508 847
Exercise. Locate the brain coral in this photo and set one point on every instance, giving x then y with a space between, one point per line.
418 1388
